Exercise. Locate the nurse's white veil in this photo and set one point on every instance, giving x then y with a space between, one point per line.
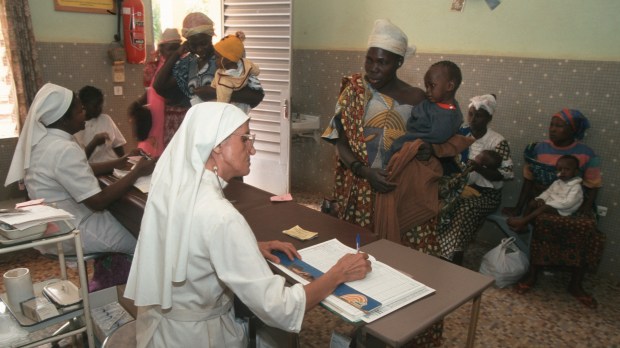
49 105
162 252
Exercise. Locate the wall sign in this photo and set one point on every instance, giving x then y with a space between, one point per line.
88 6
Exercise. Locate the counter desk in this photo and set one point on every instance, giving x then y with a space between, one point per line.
268 219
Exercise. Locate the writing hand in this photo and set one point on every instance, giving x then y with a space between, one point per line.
352 267
145 166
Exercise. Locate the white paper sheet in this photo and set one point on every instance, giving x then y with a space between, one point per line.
143 183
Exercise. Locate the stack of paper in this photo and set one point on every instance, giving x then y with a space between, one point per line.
386 285
31 218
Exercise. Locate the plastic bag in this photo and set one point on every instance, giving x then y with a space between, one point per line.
506 263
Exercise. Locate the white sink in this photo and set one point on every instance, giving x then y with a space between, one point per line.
305 123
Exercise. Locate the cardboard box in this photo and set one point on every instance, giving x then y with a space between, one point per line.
110 310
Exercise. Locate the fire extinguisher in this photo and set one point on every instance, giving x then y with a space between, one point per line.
133 31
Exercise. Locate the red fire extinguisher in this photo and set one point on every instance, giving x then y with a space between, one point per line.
133 31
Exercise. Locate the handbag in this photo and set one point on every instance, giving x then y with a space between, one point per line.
506 263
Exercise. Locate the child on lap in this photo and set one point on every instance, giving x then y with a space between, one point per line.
563 197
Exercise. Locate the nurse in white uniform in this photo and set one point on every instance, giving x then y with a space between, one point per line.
196 252
54 167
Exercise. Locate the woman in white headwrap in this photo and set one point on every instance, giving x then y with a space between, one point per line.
371 112
54 167
186 77
484 190
196 252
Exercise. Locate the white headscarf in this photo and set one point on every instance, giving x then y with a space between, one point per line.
161 255
50 103
389 37
487 102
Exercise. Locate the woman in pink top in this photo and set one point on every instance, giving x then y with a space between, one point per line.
153 143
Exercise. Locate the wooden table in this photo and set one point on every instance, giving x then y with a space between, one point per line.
128 210
454 285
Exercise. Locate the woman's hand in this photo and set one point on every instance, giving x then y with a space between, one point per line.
206 93
538 202
144 166
585 210
377 179
100 138
267 247
183 48
352 267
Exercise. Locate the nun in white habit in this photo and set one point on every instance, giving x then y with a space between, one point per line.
54 167
196 252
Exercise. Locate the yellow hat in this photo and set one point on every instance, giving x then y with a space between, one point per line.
230 47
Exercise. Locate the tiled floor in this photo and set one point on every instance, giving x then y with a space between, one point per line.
545 317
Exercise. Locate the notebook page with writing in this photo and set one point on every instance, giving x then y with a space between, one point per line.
390 287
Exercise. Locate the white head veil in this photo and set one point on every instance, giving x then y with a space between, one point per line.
389 37
50 103
487 102
162 252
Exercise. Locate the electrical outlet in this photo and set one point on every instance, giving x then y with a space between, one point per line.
118 90
601 211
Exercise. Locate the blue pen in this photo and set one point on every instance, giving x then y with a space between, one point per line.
357 242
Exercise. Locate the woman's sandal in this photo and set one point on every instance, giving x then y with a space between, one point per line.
522 288
587 300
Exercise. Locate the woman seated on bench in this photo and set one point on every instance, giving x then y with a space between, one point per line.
483 193
572 241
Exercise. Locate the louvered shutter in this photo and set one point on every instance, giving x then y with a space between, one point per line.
267 27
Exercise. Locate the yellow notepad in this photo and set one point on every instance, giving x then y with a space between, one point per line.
300 233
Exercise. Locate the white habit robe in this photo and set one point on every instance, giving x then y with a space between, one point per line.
223 259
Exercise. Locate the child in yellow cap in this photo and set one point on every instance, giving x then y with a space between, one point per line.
234 72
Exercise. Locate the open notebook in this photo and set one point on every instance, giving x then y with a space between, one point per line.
383 291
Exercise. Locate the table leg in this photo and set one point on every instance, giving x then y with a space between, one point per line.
475 309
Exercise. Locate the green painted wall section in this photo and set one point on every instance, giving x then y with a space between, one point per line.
571 29
50 25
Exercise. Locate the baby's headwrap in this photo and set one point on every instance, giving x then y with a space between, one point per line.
49 105
578 122
487 102
197 23
161 256
389 37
